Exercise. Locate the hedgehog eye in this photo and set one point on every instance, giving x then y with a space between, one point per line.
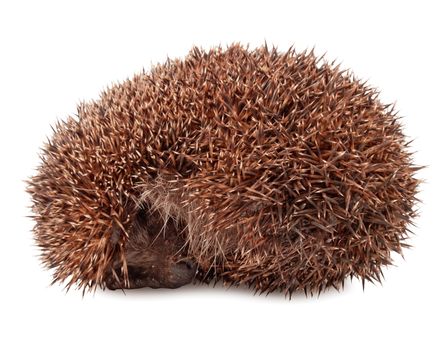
136 272
141 216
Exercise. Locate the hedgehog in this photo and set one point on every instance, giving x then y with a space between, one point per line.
271 169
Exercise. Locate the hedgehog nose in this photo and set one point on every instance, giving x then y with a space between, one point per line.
183 272
189 264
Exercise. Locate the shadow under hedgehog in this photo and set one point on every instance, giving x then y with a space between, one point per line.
252 166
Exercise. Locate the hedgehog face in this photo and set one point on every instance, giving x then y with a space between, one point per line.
154 255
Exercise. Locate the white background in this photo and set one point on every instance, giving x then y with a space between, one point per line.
53 55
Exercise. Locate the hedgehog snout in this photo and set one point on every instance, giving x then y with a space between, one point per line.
183 272
172 275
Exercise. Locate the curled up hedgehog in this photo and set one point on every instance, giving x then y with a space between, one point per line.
270 169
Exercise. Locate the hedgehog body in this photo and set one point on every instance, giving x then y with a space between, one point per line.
256 167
